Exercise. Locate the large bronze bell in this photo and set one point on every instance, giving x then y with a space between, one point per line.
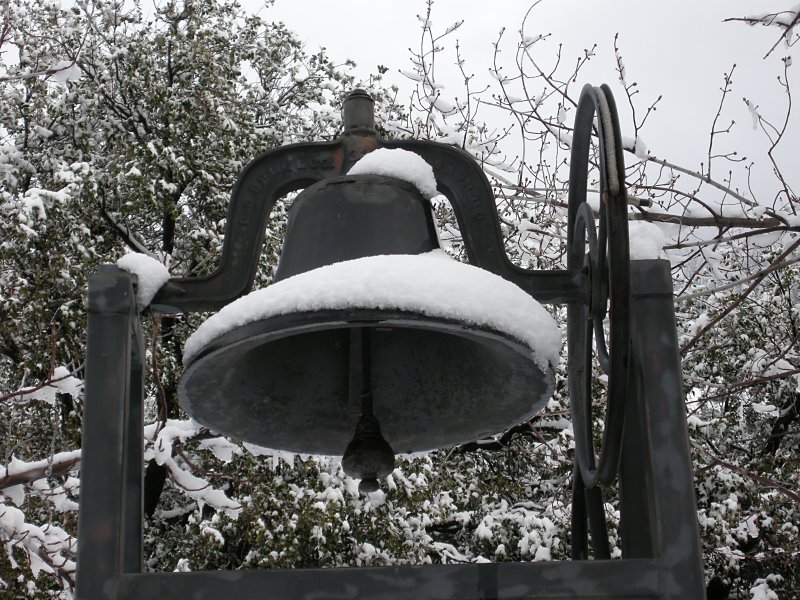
372 380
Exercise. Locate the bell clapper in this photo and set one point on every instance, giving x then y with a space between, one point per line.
368 456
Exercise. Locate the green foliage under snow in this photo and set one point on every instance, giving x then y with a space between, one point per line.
125 129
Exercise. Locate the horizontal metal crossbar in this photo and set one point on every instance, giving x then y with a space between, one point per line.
617 579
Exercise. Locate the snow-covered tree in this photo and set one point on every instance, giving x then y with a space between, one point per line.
125 129
733 246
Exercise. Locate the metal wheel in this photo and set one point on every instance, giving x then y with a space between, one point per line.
604 255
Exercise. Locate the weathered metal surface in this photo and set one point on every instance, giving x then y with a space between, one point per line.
671 508
354 216
660 541
110 517
619 580
607 263
483 383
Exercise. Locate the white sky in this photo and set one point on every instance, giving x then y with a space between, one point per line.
679 49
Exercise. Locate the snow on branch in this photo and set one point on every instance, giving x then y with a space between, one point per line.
48 548
786 20
62 381
722 314
760 479
128 236
201 490
18 471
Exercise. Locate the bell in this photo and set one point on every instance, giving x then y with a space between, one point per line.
354 216
371 340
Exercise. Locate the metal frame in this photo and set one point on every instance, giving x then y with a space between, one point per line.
660 540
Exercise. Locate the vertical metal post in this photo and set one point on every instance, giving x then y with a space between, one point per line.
659 458
109 540
133 452
635 480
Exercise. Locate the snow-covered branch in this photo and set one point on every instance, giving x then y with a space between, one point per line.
740 297
786 20
17 471
48 548
760 479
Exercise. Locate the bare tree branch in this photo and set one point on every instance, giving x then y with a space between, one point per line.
786 20
737 301
123 231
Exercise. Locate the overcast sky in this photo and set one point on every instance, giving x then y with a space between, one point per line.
679 49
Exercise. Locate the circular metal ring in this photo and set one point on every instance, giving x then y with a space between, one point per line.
606 262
